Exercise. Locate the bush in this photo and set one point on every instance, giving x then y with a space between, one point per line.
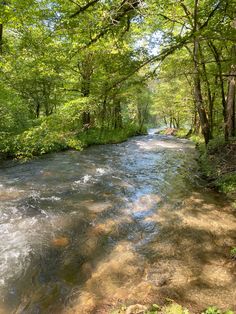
14 113
215 145
39 141
215 310
52 135
181 133
227 183
104 136
233 253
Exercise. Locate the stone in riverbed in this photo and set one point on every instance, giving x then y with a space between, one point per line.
60 241
136 309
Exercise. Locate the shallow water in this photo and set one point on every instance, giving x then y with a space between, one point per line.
82 232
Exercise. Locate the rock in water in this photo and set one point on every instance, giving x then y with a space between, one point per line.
60 241
136 309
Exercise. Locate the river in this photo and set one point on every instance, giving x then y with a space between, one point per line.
84 232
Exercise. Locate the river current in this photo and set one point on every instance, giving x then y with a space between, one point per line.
82 232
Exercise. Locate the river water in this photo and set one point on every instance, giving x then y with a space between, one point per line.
83 232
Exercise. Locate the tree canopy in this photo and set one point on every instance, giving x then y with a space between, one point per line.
70 66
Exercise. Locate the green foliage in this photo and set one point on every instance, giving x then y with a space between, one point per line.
181 133
39 141
216 145
54 133
207 167
233 252
212 310
226 183
106 136
14 114
215 164
197 139
174 309
215 310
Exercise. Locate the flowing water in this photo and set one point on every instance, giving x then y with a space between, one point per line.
84 232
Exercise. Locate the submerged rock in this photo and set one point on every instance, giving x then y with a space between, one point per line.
60 241
136 309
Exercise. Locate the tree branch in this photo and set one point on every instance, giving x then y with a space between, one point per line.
84 8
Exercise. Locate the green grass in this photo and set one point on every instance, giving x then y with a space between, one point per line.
181 133
215 310
99 136
216 164
233 253
226 183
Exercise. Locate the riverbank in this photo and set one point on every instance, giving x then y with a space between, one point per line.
217 160
218 164
40 140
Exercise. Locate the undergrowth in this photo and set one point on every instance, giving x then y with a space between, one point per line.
217 160
44 138
218 164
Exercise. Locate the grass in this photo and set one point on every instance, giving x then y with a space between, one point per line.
218 164
99 136
217 160
233 253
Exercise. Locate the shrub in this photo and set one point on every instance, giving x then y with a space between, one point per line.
215 310
233 252
227 183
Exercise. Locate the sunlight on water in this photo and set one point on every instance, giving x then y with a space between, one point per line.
82 231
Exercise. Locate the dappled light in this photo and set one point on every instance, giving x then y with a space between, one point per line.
117 157
126 230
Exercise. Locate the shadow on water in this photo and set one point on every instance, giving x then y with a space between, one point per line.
127 223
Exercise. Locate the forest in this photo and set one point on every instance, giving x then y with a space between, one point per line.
68 67
76 73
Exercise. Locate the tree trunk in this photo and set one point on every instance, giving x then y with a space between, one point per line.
209 94
230 105
165 121
37 111
197 82
1 38
196 123
218 63
142 113
103 112
86 71
117 115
